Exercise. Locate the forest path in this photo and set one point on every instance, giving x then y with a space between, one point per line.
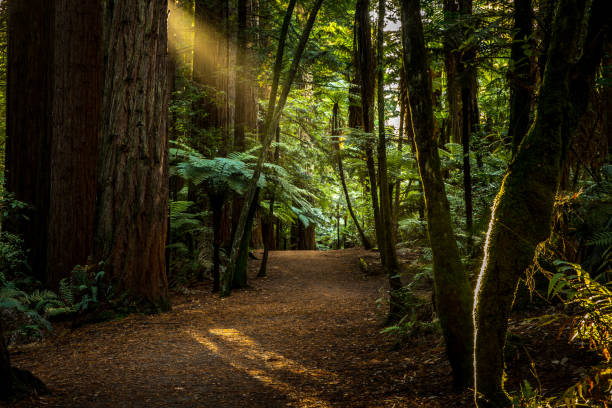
305 336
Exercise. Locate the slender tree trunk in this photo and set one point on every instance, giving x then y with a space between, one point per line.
367 75
132 199
268 226
271 123
453 292
400 144
452 43
521 215
240 273
216 205
386 214
519 73
279 234
336 134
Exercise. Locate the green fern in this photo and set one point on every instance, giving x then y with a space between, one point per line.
601 239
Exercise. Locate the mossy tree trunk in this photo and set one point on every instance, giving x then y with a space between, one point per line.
453 291
132 195
522 82
522 211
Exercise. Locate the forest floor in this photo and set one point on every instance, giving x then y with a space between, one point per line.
308 335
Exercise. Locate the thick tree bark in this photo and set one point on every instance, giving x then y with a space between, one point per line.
29 124
335 131
521 215
53 126
77 101
453 291
271 122
132 200
386 213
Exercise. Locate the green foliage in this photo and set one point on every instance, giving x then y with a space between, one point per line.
12 255
34 305
220 175
84 290
417 315
575 287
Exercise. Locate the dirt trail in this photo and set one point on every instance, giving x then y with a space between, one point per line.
305 336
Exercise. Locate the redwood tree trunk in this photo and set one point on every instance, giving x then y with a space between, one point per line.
53 126
131 211
77 101
29 126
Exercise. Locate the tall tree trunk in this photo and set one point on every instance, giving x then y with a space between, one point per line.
335 131
452 42
271 122
522 211
402 94
132 200
453 292
29 124
77 102
207 42
519 73
386 214
367 75
53 125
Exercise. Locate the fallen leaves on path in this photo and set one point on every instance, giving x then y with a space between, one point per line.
305 336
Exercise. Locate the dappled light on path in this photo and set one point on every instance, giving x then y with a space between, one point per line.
241 348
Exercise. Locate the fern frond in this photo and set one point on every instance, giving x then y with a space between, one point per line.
601 239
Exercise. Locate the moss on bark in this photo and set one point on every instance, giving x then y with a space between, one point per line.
522 211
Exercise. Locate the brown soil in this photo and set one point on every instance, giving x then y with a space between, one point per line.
308 335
